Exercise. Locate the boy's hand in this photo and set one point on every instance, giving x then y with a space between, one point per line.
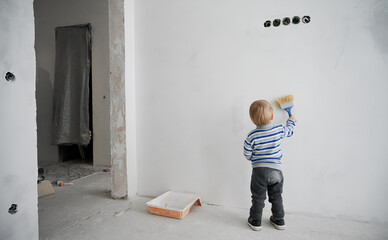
293 118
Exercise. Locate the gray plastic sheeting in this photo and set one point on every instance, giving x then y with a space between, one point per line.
71 85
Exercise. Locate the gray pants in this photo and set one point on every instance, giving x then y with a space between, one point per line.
266 179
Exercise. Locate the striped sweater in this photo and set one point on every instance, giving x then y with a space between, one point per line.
262 146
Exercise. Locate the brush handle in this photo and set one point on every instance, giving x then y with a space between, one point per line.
288 110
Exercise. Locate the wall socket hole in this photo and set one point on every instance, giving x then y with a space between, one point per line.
13 209
306 19
296 20
286 21
276 22
9 77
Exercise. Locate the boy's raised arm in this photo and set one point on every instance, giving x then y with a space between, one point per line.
288 130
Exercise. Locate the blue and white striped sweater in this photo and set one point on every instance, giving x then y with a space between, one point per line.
262 146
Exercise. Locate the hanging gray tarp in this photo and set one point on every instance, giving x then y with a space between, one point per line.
71 85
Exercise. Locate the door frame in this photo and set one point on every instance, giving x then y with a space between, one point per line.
118 141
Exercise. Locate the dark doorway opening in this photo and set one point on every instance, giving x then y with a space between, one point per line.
73 110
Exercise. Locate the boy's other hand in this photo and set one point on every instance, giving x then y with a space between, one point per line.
293 118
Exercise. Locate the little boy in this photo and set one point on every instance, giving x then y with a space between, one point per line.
262 148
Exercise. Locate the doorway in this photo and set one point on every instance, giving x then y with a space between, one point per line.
72 117
108 77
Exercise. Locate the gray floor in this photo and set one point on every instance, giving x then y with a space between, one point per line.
86 211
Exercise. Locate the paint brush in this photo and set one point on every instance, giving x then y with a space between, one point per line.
286 103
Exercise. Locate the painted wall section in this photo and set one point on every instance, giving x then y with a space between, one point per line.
18 153
200 64
130 98
50 14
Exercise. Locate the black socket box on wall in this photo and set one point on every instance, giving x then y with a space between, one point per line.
286 21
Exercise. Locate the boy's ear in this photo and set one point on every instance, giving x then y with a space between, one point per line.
272 117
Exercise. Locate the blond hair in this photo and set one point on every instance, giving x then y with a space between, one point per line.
261 112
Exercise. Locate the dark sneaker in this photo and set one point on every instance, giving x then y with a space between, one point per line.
254 224
278 223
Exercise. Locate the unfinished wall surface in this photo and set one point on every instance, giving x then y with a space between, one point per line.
200 64
118 131
18 153
50 14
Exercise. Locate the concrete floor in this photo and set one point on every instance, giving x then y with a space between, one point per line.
86 211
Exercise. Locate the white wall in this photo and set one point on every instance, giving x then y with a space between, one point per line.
130 99
50 14
199 65
18 153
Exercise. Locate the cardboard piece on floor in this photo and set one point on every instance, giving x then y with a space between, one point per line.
45 188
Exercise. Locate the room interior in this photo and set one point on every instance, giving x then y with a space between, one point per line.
171 86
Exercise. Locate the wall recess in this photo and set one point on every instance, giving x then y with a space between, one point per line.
10 77
296 20
13 209
306 19
286 21
276 22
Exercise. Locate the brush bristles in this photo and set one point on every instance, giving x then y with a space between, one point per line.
284 100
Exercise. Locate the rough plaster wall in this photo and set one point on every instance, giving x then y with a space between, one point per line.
199 65
117 100
130 96
18 152
50 14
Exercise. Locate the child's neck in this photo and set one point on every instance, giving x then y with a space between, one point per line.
266 126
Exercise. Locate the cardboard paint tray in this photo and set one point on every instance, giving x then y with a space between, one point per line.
174 204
